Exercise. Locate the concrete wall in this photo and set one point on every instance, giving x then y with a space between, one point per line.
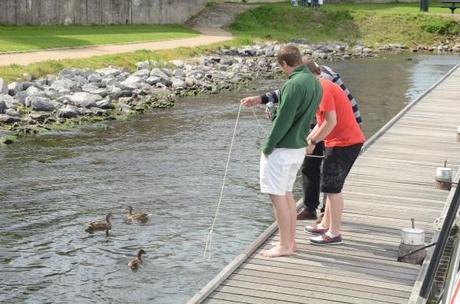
98 11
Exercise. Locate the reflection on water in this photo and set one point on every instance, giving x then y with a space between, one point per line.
167 163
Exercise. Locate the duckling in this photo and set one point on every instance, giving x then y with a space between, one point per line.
136 262
140 216
100 225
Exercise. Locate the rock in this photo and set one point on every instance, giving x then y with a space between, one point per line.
152 80
3 106
38 117
144 73
95 77
109 72
132 82
15 87
8 101
3 87
68 111
178 73
50 79
98 112
189 82
178 83
12 112
123 107
143 65
39 103
33 91
84 99
5 118
104 103
94 89
63 86
159 73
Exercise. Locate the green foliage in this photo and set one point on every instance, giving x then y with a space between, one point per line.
285 22
442 27
372 24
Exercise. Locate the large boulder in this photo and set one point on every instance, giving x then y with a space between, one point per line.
63 86
39 103
84 99
132 83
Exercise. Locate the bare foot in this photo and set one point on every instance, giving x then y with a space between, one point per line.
276 251
294 247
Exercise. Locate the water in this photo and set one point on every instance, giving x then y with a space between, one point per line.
170 164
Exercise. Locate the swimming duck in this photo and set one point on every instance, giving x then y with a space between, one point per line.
140 216
137 261
100 225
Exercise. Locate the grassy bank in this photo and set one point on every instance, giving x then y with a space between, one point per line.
23 38
125 60
367 23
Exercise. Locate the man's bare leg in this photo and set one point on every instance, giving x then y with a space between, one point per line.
326 221
283 218
293 216
336 208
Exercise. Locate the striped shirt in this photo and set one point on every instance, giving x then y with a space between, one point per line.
326 73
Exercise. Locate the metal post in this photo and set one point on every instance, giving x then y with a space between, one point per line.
424 5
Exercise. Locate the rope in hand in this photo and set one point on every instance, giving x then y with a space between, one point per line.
208 246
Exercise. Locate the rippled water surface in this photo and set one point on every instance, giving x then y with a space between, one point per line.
170 164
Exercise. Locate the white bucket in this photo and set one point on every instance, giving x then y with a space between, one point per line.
413 236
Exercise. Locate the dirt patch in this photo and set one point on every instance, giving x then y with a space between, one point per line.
218 15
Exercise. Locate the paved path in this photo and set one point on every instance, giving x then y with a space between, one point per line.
209 36
209 22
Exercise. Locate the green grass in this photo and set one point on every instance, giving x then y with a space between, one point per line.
367 23
124 60
23 38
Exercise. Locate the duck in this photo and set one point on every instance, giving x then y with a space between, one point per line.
139 216
137 261
100 225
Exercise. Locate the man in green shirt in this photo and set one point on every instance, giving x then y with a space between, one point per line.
284 150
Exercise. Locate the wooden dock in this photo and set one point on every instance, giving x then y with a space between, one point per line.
391 182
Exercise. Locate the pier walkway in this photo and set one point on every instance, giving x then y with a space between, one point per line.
391 182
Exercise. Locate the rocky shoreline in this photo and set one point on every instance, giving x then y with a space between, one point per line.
77 96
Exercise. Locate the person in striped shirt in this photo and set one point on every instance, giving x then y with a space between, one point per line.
311 167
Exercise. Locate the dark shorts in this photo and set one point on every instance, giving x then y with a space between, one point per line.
336 166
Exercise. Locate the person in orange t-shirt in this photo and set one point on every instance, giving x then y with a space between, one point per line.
343 139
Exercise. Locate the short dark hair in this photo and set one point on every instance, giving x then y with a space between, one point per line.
289 54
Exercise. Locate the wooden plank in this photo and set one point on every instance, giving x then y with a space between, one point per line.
306 282
331 295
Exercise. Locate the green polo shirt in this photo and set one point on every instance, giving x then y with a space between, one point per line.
299 99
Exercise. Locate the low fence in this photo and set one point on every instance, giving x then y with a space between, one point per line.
98 11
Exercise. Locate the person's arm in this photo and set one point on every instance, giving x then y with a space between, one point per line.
329 123
283 120
262 99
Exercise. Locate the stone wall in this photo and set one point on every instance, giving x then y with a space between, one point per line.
98 11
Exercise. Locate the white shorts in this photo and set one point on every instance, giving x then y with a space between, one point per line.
278 171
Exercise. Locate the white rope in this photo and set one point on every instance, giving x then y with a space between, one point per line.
208 246
258 122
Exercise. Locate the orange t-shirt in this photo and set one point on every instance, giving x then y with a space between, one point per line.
347 131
